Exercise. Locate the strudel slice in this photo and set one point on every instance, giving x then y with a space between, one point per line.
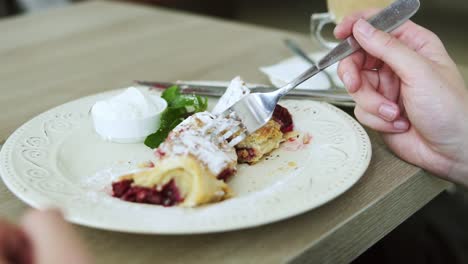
267 138
193 164
192 168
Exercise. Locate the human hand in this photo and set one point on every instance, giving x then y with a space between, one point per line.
14 245
43 238
408 88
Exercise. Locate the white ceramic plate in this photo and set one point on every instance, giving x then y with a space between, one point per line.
57 160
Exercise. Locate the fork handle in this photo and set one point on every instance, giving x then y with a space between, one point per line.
387 20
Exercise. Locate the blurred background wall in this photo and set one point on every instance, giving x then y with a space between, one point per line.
445 17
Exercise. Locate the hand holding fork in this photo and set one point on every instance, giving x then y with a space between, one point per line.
256 109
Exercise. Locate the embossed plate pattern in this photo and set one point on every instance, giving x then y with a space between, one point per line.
57 160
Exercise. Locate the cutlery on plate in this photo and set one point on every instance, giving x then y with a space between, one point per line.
255 110
217 90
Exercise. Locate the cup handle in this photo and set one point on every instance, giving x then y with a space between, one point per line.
318 21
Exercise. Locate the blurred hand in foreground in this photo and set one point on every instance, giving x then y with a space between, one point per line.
407 87
43 238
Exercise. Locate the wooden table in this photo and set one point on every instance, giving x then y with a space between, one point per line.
55 56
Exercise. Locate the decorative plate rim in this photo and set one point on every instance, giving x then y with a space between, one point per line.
19 190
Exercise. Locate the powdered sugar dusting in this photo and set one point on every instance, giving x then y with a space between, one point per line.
99 181
197 136
234 92
201 134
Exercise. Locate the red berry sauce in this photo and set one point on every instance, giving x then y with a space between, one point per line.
159 153
284 118
246 154
226 174
168 196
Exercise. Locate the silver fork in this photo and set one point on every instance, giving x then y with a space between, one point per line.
294 47
256 109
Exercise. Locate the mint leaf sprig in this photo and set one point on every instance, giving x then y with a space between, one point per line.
179 107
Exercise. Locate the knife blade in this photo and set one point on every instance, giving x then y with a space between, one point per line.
217 90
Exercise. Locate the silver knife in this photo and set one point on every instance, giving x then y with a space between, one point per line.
218 90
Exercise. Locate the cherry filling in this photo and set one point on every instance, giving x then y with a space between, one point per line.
159 153
284 118
246 154
226 174
169 195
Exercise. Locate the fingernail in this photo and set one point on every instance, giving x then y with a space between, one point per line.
401 125
364 28
348 81
388 112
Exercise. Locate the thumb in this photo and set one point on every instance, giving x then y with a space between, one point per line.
405 62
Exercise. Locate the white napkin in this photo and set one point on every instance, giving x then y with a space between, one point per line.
286 70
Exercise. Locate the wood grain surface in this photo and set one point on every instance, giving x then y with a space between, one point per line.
56 56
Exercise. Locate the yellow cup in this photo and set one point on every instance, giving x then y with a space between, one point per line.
337 10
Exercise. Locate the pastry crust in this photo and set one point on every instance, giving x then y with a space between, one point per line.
195 160
195 183
260 143
266 139
192 168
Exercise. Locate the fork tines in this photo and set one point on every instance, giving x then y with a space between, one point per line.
233 130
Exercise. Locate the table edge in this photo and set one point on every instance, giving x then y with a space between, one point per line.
414 193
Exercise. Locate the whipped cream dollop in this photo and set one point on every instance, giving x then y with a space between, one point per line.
131 104
128 117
